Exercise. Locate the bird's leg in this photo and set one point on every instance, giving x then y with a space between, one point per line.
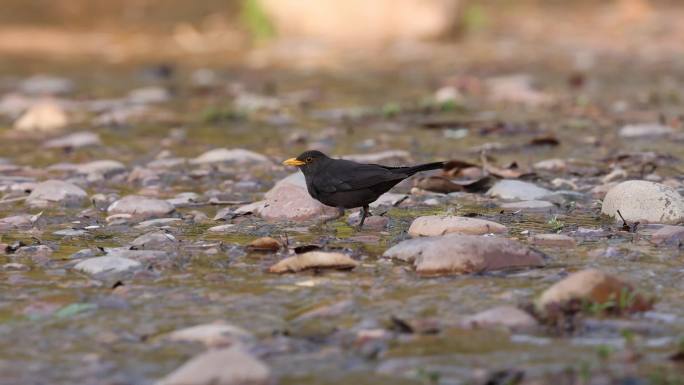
364 213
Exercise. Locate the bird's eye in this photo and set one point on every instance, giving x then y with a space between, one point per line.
309 160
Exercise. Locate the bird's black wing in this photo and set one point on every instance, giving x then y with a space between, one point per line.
343 175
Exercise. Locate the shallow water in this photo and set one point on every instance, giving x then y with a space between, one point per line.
113 336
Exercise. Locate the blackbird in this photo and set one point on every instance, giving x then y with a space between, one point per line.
345 184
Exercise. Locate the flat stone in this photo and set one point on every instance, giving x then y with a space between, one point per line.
46 85
231 366
73 141
314 260
265 244
432 225
380 157
70 233
643 201
104 168
221 228
213 335
509 189
156 240
16 222
149 95
56 192
373 223
551 165
501 316
666 235
233 156
388 199
107 264
141 206
645 130
553 240
593 286
530 206
464 254
160 222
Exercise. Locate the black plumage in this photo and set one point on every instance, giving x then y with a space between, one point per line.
346 184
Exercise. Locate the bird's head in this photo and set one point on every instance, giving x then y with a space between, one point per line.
308 161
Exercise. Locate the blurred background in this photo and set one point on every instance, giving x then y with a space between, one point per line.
330 33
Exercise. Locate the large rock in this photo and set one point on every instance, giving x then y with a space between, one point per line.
289 200
141 206
107 264
56 192
510 189
233 156
354 22
230 366
464 254
594 287
44 117
644 201
442 224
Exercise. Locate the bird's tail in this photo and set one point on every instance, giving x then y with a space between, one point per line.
424 167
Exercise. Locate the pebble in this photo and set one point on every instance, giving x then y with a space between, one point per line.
643 201
16 222
160 222
141 206
107 264
265 244
56 192
553 240
668 235
443 224
645 130
594 286
156 240
314 260
232 156
509 317
530 206
372 223
44 117
554 165
464 254
46 85
74 141
509 189
149 95
218 334
221 228
231 366
104 168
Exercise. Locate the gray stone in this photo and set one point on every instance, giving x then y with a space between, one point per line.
530 206
510 189
141 206
668 235
107 264
231 366
645 130
156 240
148 95
16 222
70 233
46 85
501 316
56 192
232 156
105 168
463 254
553 240
73 141
213 335
644 201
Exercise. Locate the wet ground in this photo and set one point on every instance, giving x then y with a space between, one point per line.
62 326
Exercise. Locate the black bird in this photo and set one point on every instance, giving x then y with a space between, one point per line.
345 184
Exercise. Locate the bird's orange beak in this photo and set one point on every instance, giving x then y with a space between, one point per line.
294 162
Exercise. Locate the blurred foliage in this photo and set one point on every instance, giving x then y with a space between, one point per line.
255 20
